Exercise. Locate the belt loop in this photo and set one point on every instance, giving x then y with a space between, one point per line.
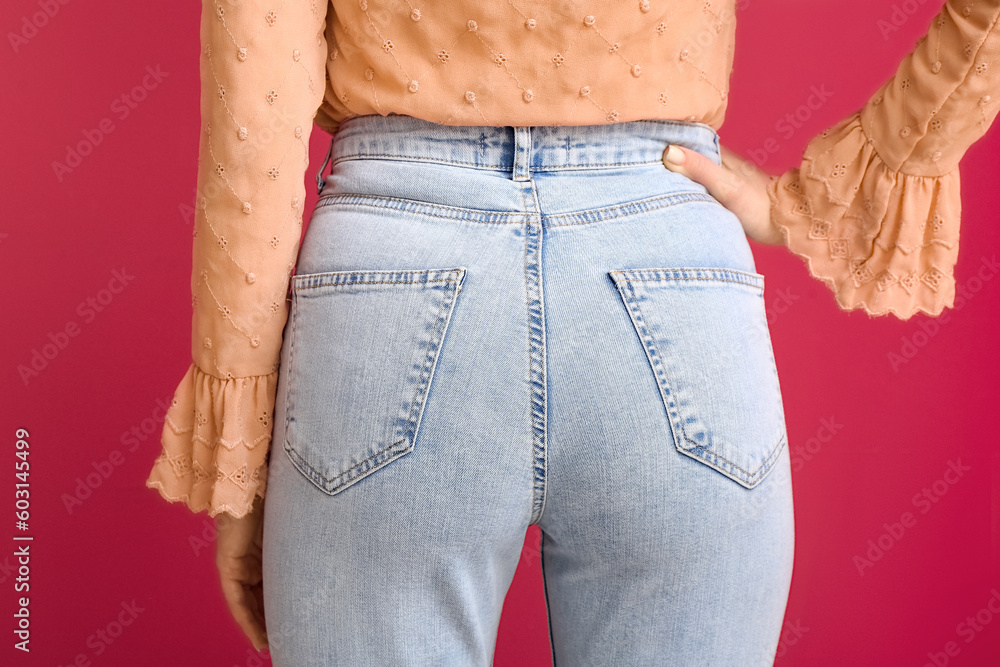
521 169
320 181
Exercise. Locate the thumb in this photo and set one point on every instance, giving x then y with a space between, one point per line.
717 179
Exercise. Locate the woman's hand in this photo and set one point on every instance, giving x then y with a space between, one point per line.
238 556
738 185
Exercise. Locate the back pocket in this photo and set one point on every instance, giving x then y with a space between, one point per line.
362 352
704 331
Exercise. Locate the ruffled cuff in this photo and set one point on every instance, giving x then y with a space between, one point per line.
215 442
881 240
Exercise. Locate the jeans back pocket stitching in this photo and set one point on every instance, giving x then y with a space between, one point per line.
432 355
403 446
623 280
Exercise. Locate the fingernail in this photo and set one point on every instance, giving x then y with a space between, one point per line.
675 155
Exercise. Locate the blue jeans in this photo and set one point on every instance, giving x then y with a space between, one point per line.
494 327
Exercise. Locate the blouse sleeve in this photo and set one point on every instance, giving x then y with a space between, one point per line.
874 207
262 80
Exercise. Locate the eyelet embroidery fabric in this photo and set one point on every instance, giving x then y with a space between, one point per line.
262 68
874 207
526 62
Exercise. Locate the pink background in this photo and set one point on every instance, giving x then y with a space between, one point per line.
96 407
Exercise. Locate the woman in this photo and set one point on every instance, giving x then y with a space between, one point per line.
519 301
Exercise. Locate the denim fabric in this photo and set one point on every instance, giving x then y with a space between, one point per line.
494 327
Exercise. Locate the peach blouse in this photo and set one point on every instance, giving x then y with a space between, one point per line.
873 208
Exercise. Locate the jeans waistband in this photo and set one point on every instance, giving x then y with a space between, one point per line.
517 150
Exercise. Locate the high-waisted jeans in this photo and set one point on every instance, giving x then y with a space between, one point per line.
494 327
